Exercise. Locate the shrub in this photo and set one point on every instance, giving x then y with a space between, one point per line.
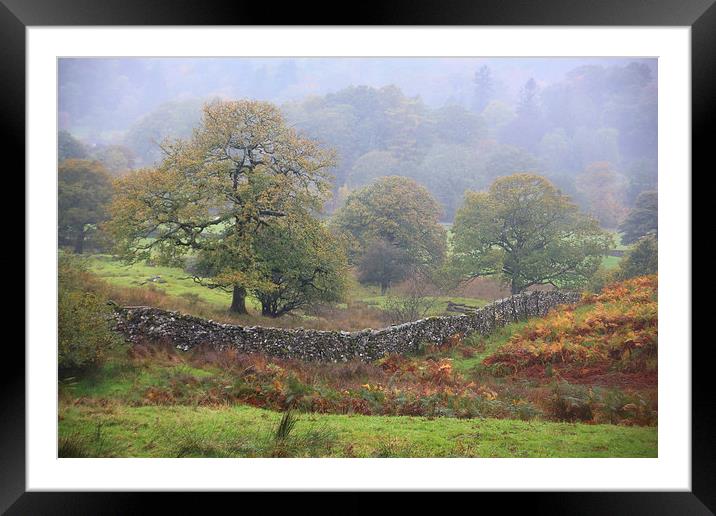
617 407
402 309
642 260
295 390
73 446
84 328
285 426
571 403
418 296
523 409
281 447
600 279
614 331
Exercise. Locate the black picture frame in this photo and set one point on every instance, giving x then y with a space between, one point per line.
16 15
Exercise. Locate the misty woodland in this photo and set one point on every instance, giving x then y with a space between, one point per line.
357 257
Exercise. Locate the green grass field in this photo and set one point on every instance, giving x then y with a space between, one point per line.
243 431
438 307
611 262
619 246
178 283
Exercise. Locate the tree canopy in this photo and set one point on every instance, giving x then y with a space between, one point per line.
602 190
117 159
84 189
484 88
175 119
383 263
643 219
302 262
243 168
393 211
69 147
398 210
641 260
526 231
555 125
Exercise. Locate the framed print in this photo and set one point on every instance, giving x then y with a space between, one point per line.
415 250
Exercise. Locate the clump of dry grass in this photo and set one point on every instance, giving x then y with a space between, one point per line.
357 316
484 288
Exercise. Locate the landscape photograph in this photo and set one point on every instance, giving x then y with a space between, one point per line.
384 257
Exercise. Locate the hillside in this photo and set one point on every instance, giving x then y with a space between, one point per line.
610 338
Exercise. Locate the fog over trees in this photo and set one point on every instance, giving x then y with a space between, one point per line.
450 124
403 240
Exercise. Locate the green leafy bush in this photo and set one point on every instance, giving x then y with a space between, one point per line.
600 279
84 328
642 260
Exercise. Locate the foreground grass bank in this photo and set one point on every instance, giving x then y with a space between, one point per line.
243 431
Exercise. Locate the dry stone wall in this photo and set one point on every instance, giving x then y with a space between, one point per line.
186 332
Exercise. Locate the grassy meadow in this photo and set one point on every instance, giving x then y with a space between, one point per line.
175 281
245 431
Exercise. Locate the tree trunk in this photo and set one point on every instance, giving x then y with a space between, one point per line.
515 287
383 288
238 301
80 243
267 310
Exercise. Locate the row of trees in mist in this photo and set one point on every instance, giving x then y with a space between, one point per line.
593 134
239 206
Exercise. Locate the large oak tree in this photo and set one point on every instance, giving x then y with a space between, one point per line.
242 169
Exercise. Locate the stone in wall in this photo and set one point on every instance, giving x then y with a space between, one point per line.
186 332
